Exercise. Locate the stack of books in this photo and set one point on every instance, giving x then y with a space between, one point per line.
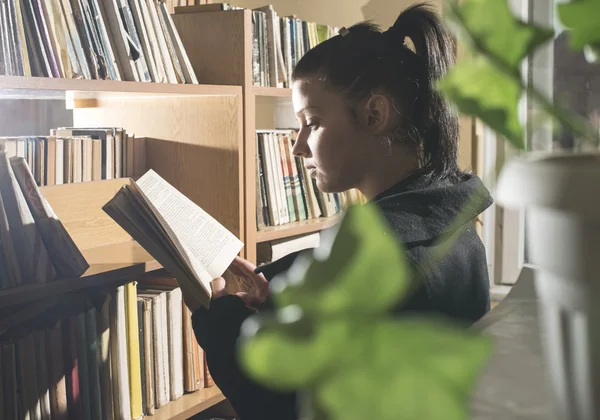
285 191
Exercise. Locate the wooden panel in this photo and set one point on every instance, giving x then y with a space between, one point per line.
215 45
272 233
79 207
188 405
195 144
49 88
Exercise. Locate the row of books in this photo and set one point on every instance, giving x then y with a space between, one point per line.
285 191
279 43
118 355
35 248
70 155
134 40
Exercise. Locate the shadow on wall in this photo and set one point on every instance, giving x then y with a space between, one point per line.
385 12
27 117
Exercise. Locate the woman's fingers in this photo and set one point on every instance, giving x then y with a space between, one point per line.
242 267
257 283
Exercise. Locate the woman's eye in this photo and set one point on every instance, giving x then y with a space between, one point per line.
313 126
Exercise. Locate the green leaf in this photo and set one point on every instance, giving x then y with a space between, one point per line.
406 369
363 272
288 351
480 89
493 29
581 17
489 86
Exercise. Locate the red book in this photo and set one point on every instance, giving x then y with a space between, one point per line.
71 369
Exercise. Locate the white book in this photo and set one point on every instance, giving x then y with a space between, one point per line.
174 302
118 356
60 159
193 246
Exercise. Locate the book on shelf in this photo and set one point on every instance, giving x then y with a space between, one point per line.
70 155
270 251
133 40
192 245
35 247
66 257
279 43
285 191
111 355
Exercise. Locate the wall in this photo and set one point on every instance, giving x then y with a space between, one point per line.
337 12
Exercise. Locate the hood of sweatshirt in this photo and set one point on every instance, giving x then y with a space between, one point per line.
421 210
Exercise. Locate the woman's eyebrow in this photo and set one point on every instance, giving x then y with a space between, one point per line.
306 109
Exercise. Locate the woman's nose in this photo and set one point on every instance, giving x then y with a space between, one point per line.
301 148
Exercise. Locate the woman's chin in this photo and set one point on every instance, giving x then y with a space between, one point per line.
325 186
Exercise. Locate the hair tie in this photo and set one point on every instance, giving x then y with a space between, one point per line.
343 31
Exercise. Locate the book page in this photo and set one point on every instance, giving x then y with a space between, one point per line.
140 223
202 238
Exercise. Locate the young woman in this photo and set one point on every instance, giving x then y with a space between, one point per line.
371 119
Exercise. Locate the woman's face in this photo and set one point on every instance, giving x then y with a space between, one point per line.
334 147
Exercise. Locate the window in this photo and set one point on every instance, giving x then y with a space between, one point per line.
565 77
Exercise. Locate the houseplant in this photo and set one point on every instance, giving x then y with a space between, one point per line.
556 189
305 344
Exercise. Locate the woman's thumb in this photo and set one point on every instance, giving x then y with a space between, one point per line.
218 286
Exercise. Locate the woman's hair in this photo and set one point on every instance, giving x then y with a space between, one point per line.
364 60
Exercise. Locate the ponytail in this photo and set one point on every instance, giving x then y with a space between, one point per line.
365 59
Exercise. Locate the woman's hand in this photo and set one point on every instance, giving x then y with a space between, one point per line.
239 279
252 288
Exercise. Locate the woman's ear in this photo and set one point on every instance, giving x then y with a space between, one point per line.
377 113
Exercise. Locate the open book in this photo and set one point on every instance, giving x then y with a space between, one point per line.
182 237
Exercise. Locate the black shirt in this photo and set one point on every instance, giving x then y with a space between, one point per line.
426 215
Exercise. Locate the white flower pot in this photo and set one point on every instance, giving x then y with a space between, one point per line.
561 196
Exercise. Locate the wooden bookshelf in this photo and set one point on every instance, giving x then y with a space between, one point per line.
219 45
189 405
200 138
194 139
288 230
107 273
114 257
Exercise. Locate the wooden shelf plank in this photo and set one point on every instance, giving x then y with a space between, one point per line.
272 92
113 264
272 233
189 405
52 88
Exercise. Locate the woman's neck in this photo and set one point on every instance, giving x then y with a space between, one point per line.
385 173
